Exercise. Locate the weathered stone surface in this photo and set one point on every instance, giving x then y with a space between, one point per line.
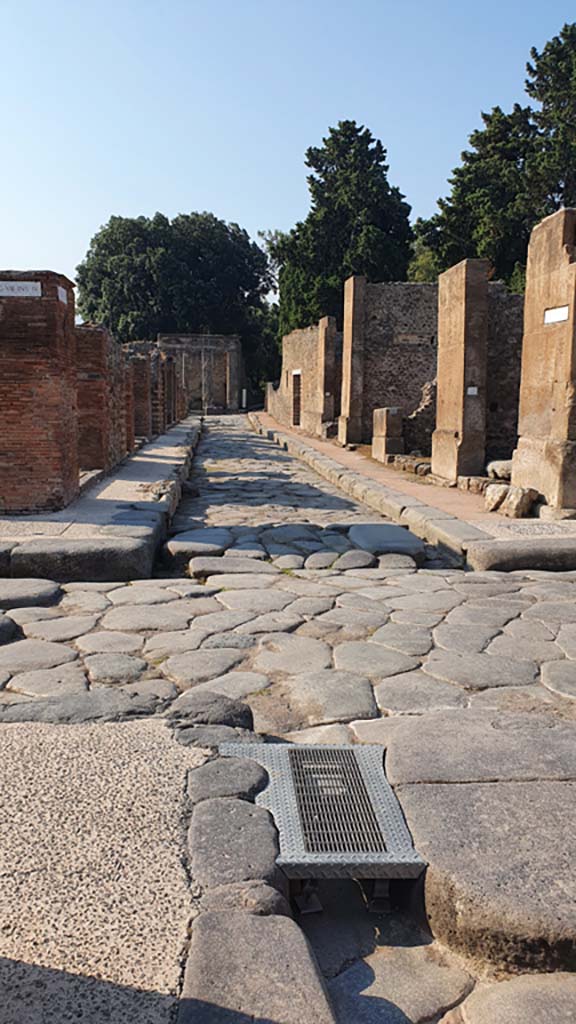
529 650
320 560
226 776
107 704
104 558
235 684
68 627
494 495
233 841
34 614
174 615
355 559
438 601
406 639
107 642
555 612
251 897
50 682
518 502
7 629
566 638
499 469
555 553
211 736
198 666
273 622
464 638
114 668
560 677
289 561
365 618
21 593
479 671
284 652
29 655
387 538
371 659
537 998
84 602
398 984
202 567
141 594
337 733
514 902
260 602
330 696
245 967
184 546
241 581
209 708
417 691
497 615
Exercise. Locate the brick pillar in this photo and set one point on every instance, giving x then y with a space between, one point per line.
170 394
142 396
129 404
388 435
38 427
458 443
545 458
326 368
233 378
350 421
158 393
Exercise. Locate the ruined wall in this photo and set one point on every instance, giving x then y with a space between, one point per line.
142 373
101 390
210 366
129 404
316 352
505 325
38 430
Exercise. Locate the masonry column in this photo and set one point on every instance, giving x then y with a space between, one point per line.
38 427
326 368
233 377
350 421
545 458
458 443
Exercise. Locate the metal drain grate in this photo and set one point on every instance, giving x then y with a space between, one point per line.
335 811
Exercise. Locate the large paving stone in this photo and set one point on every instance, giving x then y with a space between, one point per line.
528 650
284 652
241 581
106 704
198 666
566 639
560 677
7 629
104 558
212 736
273 622
114 668
371 659
184 546
50 682
406 639
22 593
203 567
229 639
320 698
555 612
417 691
260 602
494 615
141 595
210 708
83 602
464 638
387 538
366 618
252 897
533 998
355 559
557 554
500 884
232 841
437 601
397 985
108 642
226 777
479 671
68 627
481 746
29 655
244 967
173 616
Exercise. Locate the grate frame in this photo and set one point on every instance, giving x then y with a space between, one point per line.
398 859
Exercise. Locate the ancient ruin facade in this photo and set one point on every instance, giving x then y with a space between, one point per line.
308 394
545 458
210 368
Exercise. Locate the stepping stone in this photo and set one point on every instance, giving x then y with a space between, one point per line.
323 697
537 998
173 616
286 653
198 666
513 904
290 533
528 650
560 677
51 682
20 593
406 639
29 655
108 642
184 546
479 671
67 627
478 746
371 659
260 602
464 639
385 979
141 595
236 684
202 567
415 692
387 538
114 668
355 560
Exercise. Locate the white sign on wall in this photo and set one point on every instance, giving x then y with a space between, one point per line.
556 315
472 390
63 295
28 289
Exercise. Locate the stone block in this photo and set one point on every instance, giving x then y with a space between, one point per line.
98 559
517 502
233 841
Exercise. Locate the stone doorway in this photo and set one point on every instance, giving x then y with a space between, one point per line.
296 397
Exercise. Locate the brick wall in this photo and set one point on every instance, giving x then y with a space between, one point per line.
101 388
129 404
505 327
142 373
38 433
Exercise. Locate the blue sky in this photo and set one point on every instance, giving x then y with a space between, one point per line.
132 107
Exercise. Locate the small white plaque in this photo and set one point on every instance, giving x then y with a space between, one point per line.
472 390
556 315
63 295
19 289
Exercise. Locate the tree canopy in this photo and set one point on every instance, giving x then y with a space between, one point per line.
357 224
520 167
143 276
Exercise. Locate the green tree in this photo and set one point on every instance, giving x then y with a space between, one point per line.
358 224
195 273
552 83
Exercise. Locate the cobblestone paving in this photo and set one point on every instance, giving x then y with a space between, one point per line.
336 632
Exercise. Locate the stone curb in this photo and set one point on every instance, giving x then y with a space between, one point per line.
244 944
118 553
449 533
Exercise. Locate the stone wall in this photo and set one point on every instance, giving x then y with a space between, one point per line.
38 426
505 326
210 367
314 354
